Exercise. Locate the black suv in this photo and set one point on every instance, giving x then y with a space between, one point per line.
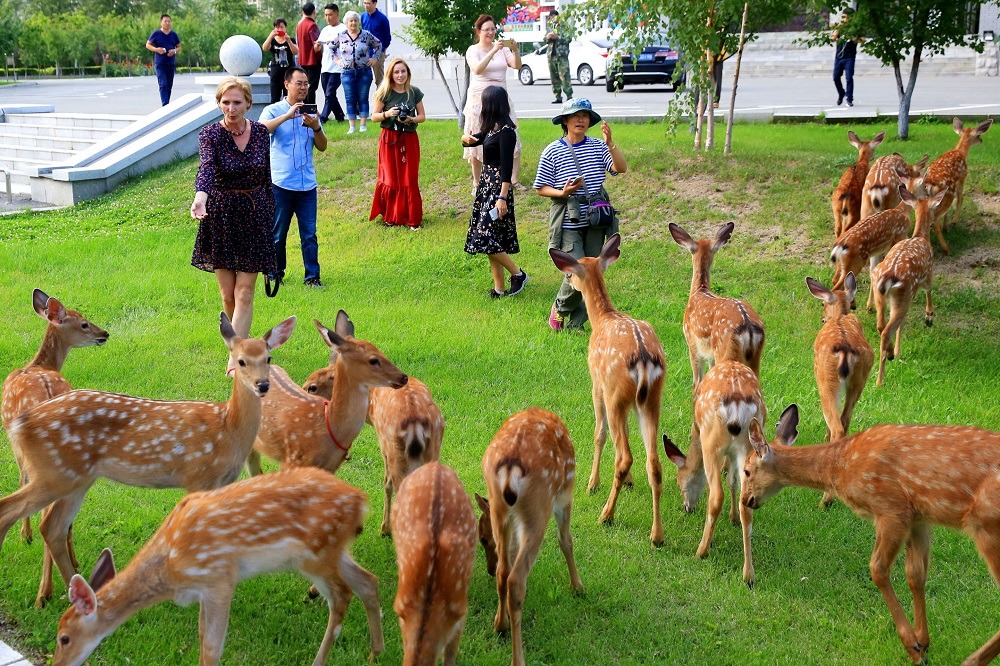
656 65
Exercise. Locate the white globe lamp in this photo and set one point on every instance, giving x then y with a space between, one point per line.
240 55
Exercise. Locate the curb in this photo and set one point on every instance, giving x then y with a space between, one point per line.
10 657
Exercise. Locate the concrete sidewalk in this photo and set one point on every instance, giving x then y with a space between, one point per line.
10 657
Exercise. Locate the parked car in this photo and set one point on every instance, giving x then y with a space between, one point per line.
588 59
656 64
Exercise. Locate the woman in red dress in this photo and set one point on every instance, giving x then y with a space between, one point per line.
399 107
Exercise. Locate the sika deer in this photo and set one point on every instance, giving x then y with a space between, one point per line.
74 439
435 535
300 429
42 380
626 365
716 329
529 470
408 423
881 190
725 402
907 267
302 519
947 174
846 198
868 242
907 478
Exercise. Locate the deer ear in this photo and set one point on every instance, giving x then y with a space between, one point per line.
722 236
956 123
104 570
682 238
819 291
565 262
39 301
344 326
936 199
908 197
879 138
850 285
331 338
674 454
787 429
226 328
82 595
853 138
923 162
984 126
611 250
54 311
483 503
279 335
757 440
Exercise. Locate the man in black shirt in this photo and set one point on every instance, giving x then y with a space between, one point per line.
843 62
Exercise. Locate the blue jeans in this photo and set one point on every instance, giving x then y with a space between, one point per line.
845 67
303 205
330 82
165 77
357 83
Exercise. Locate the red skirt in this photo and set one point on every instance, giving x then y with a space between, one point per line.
397 194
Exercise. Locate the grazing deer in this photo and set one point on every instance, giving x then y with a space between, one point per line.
408 423
529 470
301 429
626 366
42 380
868 241
716 329
842 357
725 402
881 190
947 174
303 519
846 198
74 439
435 535
907 267
905 477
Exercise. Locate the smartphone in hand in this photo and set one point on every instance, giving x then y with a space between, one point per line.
308 109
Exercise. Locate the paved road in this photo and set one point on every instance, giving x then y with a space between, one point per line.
758 97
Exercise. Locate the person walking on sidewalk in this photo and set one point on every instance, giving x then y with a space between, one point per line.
306 34
558 52
377 23
293 176
843 61
166 45
330 78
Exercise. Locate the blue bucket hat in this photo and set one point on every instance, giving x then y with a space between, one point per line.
573 106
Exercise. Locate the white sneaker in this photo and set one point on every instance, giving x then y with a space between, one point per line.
350 130
364 128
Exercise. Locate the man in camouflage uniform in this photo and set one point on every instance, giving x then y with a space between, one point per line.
558 58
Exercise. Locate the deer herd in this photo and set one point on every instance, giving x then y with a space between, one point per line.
302 517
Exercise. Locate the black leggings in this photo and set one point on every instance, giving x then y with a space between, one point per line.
277 84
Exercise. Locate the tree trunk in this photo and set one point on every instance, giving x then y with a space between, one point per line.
736 80
710 104
906 95
444 80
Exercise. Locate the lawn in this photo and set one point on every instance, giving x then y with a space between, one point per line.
123 260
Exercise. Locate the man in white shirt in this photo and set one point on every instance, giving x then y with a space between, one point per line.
330 77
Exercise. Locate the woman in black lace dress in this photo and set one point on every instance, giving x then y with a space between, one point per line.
234 203
492 230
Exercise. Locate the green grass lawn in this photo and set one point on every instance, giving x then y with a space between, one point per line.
124 260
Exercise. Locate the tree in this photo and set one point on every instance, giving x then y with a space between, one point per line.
441 27
705 32
897 30
10 26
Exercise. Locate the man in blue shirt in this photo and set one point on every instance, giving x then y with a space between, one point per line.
293 175
377 23
166 45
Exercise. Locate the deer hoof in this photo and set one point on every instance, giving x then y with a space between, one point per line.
929 321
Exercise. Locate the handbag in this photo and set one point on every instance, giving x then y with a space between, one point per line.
600 213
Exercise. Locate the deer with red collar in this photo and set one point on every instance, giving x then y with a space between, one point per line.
716 329
74 439
408 422
301 429
906 478
301 519
42 380
888 173
846 198
626 365
529 469
947 174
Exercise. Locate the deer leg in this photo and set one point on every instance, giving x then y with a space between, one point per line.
746 523
26 534
917 557
986 535
716 493
649 423
24 501
899 309
929 309
733 471
563 510
451 649
623 458
331 585
253 463
938 229
55 530
873 261
213 625
695 367
600 436
365 585
387 507
498 519
516 586
889 535
959 198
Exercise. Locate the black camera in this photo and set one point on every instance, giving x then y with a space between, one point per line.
405 112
